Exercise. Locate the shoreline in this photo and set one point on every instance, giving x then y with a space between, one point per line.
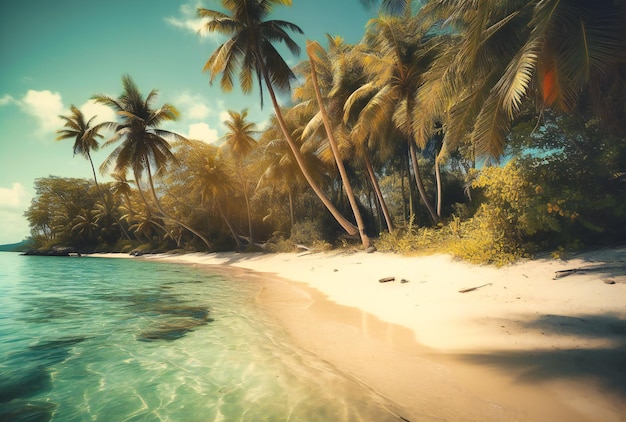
521 346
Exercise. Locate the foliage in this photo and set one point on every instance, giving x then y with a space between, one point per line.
308 232
69 212
411 108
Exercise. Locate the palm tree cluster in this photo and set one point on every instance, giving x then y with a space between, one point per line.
377 135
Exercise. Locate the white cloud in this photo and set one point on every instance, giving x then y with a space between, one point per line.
190 21
45 106
7 99
263 125
13 226
14 198
192 107
13 203
202 132
224 116
102 112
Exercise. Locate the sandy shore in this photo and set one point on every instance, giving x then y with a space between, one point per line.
522 346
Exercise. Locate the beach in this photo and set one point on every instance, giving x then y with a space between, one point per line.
444 340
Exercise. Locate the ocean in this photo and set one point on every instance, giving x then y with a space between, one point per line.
97 339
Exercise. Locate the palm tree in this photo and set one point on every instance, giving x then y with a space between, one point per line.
145 224
85 225
397 62
240 142
84 134
547 51
277 166
143 145
121 186
344 67
313 49
85 140
213 178
251 47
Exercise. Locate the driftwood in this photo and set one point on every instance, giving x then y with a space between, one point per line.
471 289
582 270
386 279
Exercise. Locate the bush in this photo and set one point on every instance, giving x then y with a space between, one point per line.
308 232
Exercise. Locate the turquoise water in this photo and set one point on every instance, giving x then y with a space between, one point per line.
90 339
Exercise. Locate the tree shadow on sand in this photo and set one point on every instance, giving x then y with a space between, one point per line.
606 364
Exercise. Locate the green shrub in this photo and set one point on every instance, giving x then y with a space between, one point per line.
307 232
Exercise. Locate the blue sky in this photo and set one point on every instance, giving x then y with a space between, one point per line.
57 53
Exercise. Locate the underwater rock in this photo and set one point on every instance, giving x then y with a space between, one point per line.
31 411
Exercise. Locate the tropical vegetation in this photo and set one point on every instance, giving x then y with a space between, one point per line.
491 130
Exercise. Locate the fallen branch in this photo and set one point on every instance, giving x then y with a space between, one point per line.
565 273
471 289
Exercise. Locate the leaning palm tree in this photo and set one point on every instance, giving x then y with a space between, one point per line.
143 147
313 50
396 63
371 142
240 142
251 47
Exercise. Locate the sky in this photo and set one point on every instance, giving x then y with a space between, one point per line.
54 54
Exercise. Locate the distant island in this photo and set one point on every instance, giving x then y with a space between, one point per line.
15 247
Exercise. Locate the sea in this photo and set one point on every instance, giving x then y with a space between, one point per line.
101 339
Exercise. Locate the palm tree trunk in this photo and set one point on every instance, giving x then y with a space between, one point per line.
333 144
345 224
291 214
406 167
245 196
416 169
229 225
379 194
167 215
438 177
420 183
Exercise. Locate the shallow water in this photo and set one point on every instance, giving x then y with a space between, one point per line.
129 340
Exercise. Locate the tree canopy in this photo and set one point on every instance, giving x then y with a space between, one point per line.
490 129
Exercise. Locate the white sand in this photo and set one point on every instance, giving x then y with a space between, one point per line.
525 346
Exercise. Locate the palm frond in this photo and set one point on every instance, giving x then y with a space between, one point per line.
492 126
513 85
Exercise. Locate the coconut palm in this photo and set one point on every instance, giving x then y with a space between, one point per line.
313 49
213 177
143 147
85 137
251 47
240 142
396 64
344 72
547 51
121 186
277 167
85 225
145 224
